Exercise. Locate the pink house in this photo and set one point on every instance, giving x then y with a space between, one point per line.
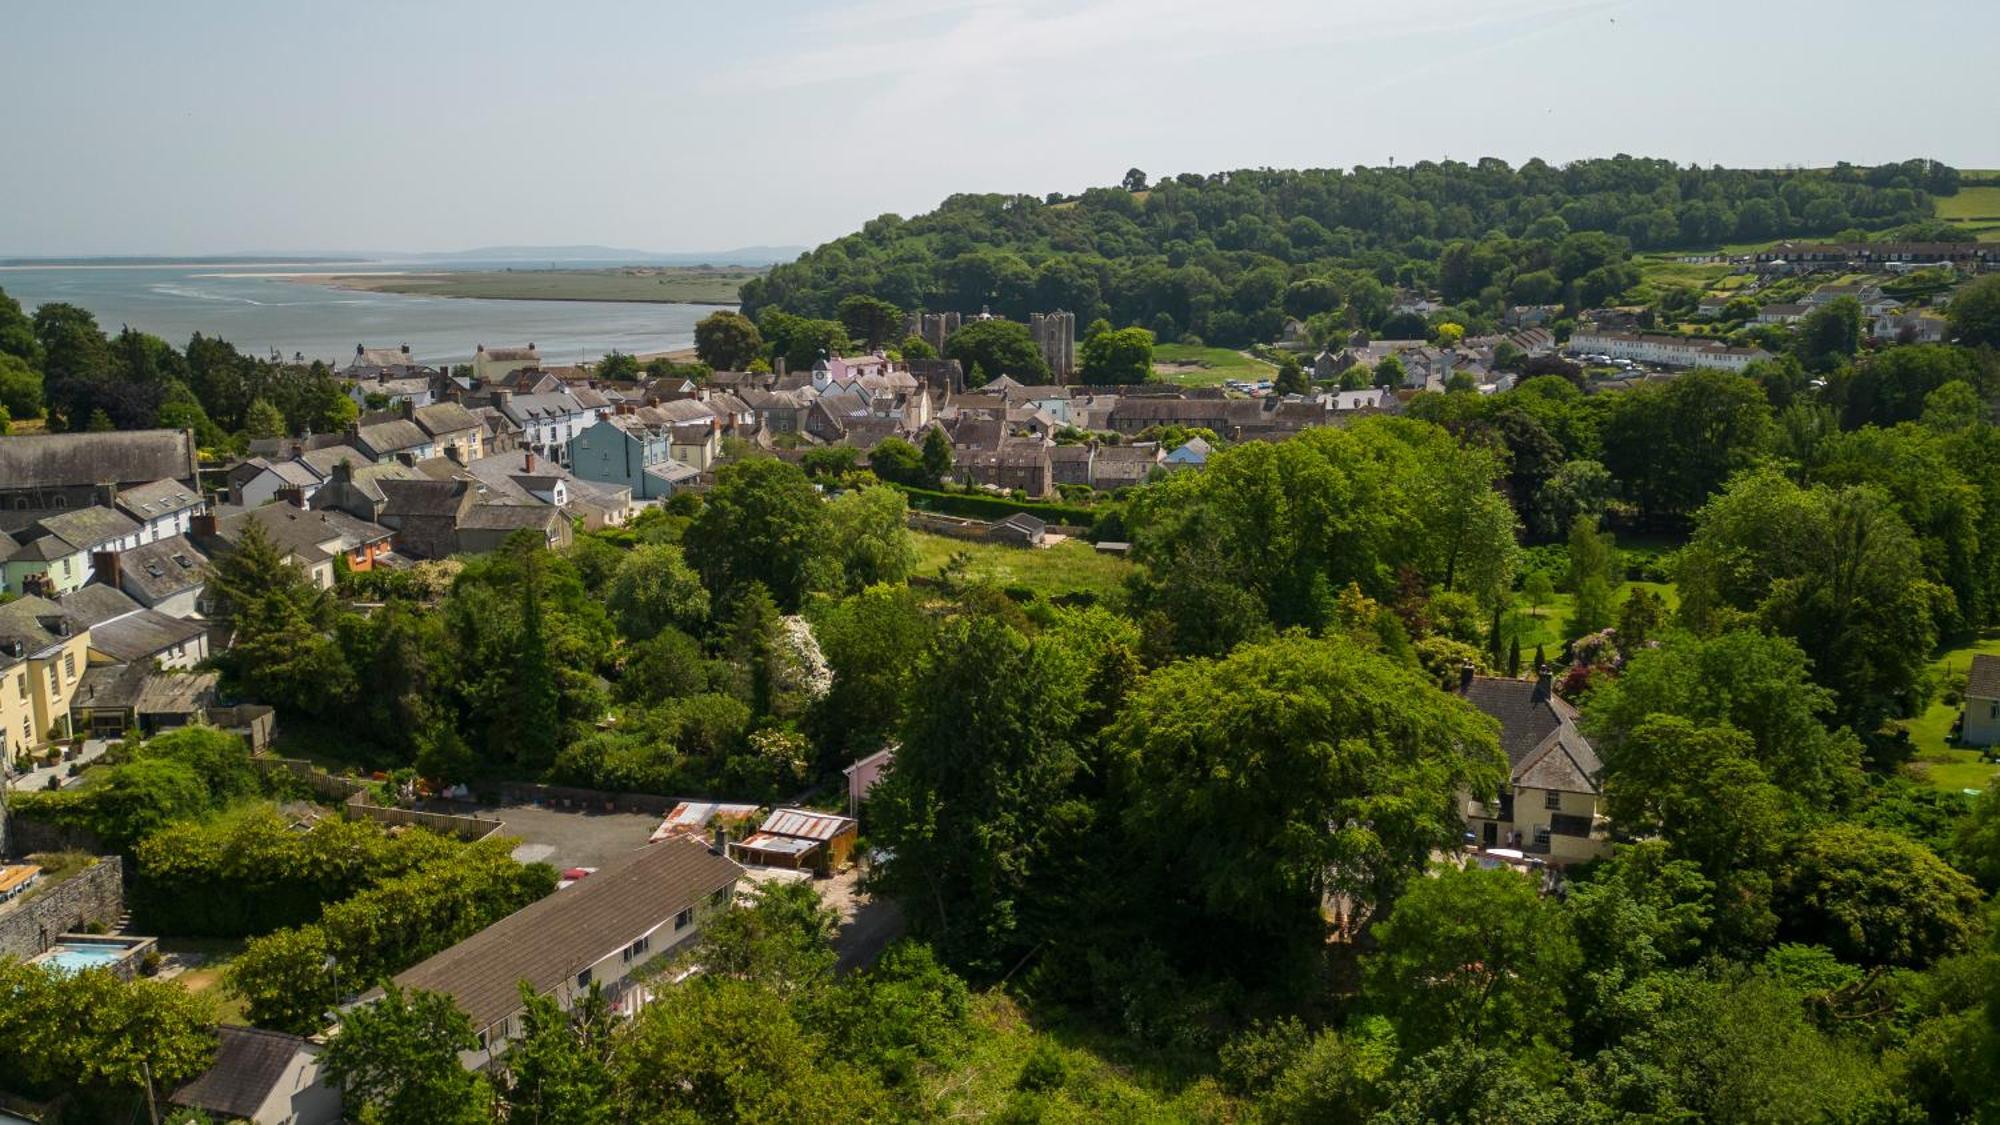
862 775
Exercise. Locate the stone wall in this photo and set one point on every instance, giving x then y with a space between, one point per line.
96 894
569 797
467 828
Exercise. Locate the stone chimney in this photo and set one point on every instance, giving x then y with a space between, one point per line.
408 409
293 495
1465 677
719 839
1545 684
109 570
107 493
527 460
203 524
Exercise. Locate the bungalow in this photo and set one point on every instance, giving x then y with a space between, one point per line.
645 906
1782 313
799 839
1980 725
265 1078
1550 804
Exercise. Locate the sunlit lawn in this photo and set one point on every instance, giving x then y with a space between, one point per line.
1070 567
1938 761
1190 366
1548 627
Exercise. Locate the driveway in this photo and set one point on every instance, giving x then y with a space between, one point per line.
867 924
566 838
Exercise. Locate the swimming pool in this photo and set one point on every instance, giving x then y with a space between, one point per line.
76 956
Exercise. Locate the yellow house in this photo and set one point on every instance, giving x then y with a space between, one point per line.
1551 806
44 651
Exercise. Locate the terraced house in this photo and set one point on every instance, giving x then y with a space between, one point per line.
44 652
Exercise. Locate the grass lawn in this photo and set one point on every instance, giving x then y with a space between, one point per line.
1070 567
1546 629
1077 1075
215 954
1938 761
1981 202
1189 366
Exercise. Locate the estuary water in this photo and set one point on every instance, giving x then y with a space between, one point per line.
258 308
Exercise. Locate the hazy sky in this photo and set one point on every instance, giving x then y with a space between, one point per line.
211 126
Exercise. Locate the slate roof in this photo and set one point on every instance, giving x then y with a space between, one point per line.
34 622
550 941
403 498
507 517
163 568
1538 732
512 354
1983 680
249 1064
142 635
123 457
95 604
159 498
84 528
445 418
323 461
48 548
391 436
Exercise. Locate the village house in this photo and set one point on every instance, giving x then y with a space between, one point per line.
124 632
166 575
1979 722
490 364
1665 350
636 450
455 432
262 1077
44 652
548 421
1913 327
58 553
1551 804
309 539
391 437
648 905
388 392
1790 313
163 507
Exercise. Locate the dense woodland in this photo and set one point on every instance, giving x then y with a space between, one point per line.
1227 257
1167 853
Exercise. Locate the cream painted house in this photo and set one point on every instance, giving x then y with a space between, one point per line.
44 652
1552 805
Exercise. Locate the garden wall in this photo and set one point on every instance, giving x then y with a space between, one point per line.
94 895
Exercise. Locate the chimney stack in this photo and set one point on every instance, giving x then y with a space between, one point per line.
1465 677
1545 680
719 839
528 461
203 524
109 570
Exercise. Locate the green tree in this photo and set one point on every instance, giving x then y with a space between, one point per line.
988 349
1877 897
1671 445
1389 372
762 522
559 1070
869 536
263 420
869 640
396 1061
1830 334
1974 314
916 347
536 732
653 588
937 456
1222 763
98 1041
1591 578
727 341
1539 591
1291 378
1472 955
870 320
617 366
1119 357
20 388
280 652
898 462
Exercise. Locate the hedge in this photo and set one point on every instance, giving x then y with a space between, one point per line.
974 505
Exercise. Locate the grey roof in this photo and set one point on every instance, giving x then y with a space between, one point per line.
323 461
508 517
37 623
391 436
527 408
142 635
121 457
422 497
48 548
445 418
110 686
1982 681
1034 525
550 941
95 604
163 568
159 498
249 1064
88 527
175 693
300 531
1538 732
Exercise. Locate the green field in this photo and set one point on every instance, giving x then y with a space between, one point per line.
1938 761
1982 202
1191 366
1067 568
1546 629
685 285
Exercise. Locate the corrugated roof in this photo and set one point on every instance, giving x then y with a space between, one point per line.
805 824
550 941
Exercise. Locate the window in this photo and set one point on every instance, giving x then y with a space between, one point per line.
638 948
684 919
21 682
1552 800
69 665
583 979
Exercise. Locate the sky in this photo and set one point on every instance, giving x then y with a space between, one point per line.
230 126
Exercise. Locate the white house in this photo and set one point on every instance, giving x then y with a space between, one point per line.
1667 351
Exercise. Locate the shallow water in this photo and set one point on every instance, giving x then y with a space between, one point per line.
258 311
